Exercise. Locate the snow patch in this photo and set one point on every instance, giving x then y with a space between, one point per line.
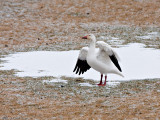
86 84
137 62
55 81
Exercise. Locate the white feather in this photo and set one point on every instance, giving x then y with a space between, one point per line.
83 53
107 48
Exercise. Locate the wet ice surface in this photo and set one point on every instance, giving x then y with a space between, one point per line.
137 62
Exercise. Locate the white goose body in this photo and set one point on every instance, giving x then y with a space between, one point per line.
104 61
101 62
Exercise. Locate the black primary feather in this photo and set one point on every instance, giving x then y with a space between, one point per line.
115 61
81 67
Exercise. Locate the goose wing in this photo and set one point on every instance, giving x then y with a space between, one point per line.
82 65
107 50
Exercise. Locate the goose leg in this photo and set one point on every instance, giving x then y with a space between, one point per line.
100 83
105 80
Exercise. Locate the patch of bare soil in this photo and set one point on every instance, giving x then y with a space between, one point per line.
27 25
30 98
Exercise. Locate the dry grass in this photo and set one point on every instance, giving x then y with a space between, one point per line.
28 98
31 25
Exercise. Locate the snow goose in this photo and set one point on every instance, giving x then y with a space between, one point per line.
105 60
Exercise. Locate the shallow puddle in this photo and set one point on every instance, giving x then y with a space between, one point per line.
137 62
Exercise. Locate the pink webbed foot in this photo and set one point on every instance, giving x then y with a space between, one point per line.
100 84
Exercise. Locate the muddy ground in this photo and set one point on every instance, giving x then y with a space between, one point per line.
32 25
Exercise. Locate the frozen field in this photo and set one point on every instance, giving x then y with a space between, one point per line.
37 80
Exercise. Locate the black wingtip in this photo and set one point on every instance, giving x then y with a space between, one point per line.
115 61
81 67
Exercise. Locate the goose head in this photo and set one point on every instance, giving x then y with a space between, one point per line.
90 37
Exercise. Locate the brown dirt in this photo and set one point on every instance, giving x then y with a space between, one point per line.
52 24
31 24
28 98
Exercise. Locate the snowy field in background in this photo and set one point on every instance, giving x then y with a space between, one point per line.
137 62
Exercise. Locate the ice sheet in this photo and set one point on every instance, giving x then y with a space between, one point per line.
137 62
